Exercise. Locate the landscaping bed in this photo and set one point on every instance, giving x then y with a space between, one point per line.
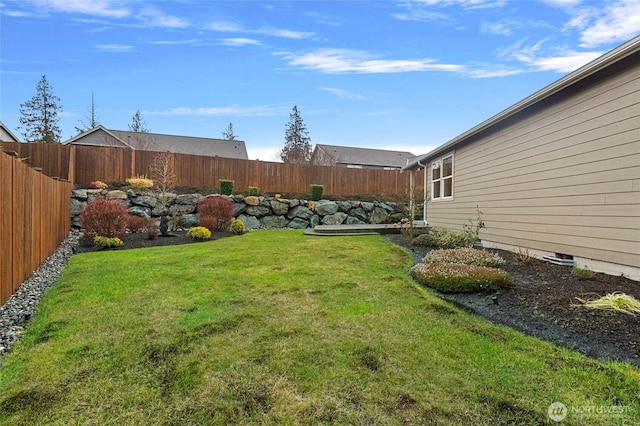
543 304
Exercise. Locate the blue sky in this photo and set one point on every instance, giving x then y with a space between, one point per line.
404 75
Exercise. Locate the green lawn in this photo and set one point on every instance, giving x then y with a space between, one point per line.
275 327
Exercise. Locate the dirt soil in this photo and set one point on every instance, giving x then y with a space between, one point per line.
543 304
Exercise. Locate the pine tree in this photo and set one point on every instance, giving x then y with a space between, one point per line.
90 121
228 133
137 124
142 140
39 115
297 146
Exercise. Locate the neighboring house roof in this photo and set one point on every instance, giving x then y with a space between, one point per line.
6 134
100 136
604 61
366 157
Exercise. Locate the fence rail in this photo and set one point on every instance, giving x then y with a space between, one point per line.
83 164
35 217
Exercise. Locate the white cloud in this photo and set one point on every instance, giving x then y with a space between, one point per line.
540 58
106 8
155 18
568 62
341 61
239 41
115 48
342 94
232 27
618 22
499 28
264 153
232 110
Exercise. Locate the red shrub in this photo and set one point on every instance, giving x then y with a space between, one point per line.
135 223
216 213
105 218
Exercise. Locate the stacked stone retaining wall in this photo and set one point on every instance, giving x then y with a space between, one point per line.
256 212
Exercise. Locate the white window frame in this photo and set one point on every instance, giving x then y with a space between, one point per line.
438 184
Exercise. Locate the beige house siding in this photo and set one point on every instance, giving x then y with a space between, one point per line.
562 176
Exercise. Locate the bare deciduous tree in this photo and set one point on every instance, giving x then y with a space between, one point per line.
163 174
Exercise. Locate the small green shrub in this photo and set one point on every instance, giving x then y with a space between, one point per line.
237 226
457 278
465 255
582 274
226 186
315 192
106 242
445 238
199 233
253 191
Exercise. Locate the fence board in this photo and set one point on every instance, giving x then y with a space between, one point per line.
6 234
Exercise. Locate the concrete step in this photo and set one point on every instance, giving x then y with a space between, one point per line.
359 229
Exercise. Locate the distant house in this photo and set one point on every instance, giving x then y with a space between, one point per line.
359 158
99 136
558 173
6 135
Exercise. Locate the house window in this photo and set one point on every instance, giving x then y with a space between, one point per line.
442 178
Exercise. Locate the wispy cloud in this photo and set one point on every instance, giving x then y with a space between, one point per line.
233 27
105 8
115 48
617 22
239 41
232 110
538 57
153 17
427 10
345 61
342 94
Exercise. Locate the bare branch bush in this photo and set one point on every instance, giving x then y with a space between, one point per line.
162 172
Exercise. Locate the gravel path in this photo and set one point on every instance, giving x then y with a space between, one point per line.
21 306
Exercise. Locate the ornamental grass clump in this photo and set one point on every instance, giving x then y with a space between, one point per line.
458 278
615 301
445 238
216 213
104 217
237 227
140 183
465 255
106 242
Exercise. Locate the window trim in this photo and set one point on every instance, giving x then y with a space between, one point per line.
440 181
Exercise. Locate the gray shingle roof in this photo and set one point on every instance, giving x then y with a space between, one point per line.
365 157
158 142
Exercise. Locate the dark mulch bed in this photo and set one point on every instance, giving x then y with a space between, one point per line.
140 240
543 304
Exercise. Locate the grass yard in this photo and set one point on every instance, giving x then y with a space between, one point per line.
275 327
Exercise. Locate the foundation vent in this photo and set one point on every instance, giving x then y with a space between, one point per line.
561 259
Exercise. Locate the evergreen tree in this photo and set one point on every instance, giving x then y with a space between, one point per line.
137 124
90 121
39 115
228 133
297 146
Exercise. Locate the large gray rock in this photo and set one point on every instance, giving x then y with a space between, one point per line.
190 220
159 210
250 222
343 206
258 211
385 206
117 194
324 207
298 223
188 199
77 206
239 208
378 215
278 207
359 214
294 203
271 222
140 211
80 194
367 206
300 212
351 220
334 219
145 201
184 208
315 220
252 200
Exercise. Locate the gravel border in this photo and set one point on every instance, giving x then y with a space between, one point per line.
21 306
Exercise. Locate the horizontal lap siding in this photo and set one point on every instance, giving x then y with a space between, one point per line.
564 177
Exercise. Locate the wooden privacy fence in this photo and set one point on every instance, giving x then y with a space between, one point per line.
35 217
83 164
